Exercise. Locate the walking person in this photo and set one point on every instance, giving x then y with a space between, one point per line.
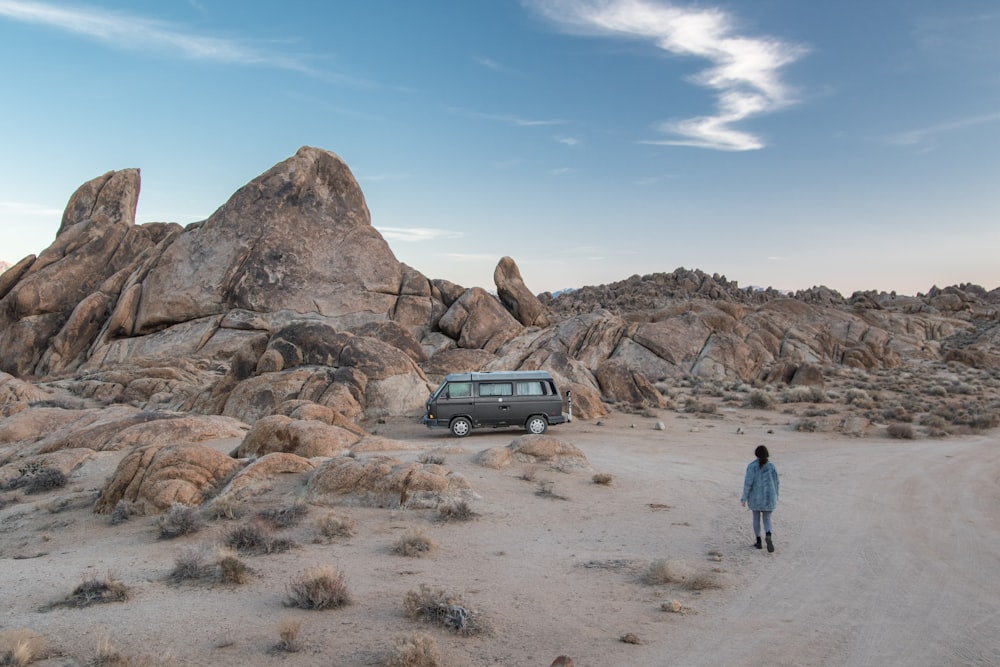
760 493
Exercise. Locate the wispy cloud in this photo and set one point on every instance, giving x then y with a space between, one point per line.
131 31
569 141
653 180
471 257
922 135
416 234
489 63
743 70
383 178
508 119
561 171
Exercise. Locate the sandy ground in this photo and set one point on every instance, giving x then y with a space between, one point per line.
888 553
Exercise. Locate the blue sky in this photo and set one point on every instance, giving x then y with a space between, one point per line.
777 142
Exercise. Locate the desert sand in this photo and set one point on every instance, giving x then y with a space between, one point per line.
887 553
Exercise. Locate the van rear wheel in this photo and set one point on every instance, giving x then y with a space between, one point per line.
460 427
536 425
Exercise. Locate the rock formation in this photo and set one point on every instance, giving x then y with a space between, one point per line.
285 313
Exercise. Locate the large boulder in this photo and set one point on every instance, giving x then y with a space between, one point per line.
478 320
155 477
384 481
298 238
516 296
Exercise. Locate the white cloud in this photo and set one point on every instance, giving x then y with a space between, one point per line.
569 141
508 119
921 135
411 234
135 32
489 63
561 171
743 70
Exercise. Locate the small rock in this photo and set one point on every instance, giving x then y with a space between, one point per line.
630 638
659 426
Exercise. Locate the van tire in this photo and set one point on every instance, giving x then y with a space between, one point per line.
536 425
460 427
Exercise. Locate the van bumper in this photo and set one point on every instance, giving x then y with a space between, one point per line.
560 419
434 423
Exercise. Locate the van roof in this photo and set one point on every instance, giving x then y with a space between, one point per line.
498 375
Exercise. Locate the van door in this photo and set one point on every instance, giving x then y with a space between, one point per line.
455 400
494 406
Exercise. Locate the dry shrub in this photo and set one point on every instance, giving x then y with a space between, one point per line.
417 650
602 478
457 511
21 647
759 400
694 406
661 572
902 431
544 490
529 473
332 525
191 564
437 607
108 655
807 426
414 543
436 459
318 588
288 635
231 569
179 520
226 507
284 517
257 538
35 478
96 590
123 511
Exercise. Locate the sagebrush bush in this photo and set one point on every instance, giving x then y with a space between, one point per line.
435 606
123 511
21 647
660 572
807 425
457 511
602 478
803 394
256 537
332 525
435 459
413 543
35 478
759 400
96 590
179 520
318 588
903 431
231 569
191 563
417 650
288 635
284 517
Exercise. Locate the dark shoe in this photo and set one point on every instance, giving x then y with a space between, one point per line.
770 544
758 545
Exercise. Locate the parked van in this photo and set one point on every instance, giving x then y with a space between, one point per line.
465 401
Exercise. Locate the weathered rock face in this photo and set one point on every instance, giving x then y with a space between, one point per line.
298 238
516 297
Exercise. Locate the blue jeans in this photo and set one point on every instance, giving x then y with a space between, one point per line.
756 521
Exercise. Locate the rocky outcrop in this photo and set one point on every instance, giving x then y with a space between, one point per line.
534 449
155 477
384 481
516 297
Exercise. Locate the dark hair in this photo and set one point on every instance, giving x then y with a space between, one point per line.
761 453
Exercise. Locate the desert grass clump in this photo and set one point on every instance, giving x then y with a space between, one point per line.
529 473
417 650
901 431
759 400
661 572
414 543
288 635
21 647
109 655
123 511
457 511
284 517
331 526
602 478
179 520
35 478
318 588
803 394
227 508
435 606
232 570
807 426
703 581
544 490
256 538
96 590
433 459
191 564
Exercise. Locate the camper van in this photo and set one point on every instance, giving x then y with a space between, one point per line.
527 399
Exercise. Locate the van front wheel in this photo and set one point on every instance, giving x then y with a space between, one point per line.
460 427
536 425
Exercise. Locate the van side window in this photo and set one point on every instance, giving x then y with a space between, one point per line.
459 390
533 388
496 389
